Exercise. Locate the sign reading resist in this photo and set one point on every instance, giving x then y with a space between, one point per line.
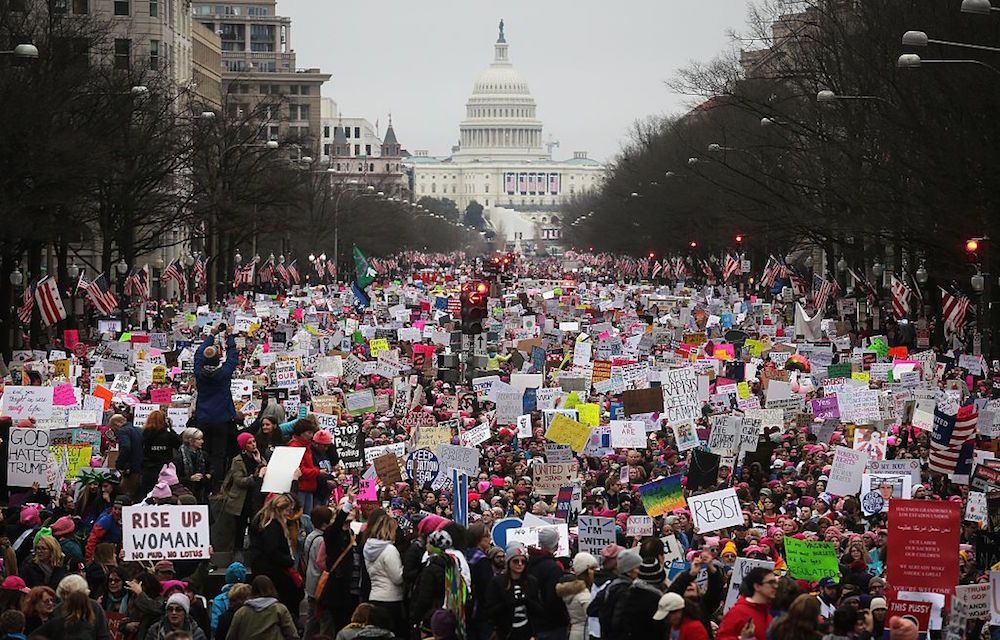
715 510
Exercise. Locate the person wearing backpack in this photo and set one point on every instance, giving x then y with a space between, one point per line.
603 605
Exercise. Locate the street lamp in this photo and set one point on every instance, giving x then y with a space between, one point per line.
73 271
978 7
842 265
978 282
16 277
826 96
914 61
715 147
188 260
312 258
920 39
877 269
139 90
921 275
26 51
271 144
121 266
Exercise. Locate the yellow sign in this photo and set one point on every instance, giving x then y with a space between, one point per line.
61 368
572 400
755 347
378 345
862 376
743 390
78 457
590 414
565 430
159 374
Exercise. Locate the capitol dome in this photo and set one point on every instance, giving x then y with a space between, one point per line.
500 115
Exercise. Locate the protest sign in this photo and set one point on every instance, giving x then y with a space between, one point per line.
639 526
387 468
528 536
628 434
165 532
845 474
715 510
547 478
975 598
283 463
359 402
452 456
595 533
906 466
77 457
923 545
347 440
811 560
568 431
740 570
475 436
680 395
27 456
421 464
642 401
22 403
662 495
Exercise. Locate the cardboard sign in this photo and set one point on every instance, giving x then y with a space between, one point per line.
21 403
642 401
680 395
387 468
549 477
595 533
715 510
27 456
453 456
628 434
280 468
662 495
165 532
740 570
845 475
568 431
811 560
640 526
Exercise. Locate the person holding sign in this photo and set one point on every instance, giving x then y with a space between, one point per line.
309 472
750 617
215 413
241 492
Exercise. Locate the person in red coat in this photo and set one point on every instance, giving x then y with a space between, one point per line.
683 615
302 435
750 617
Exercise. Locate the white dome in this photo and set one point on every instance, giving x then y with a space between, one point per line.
500 79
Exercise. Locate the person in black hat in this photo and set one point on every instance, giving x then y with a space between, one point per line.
633 615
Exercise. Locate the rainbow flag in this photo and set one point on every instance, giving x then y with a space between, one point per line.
663 495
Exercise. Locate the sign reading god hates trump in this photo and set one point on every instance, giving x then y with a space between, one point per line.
165 532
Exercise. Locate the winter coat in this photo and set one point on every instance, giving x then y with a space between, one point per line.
263 619
129 449
500 602
543 566
715 593
737 617
34 575
428 593
633 614
692 629
311 549
357 632
338 585
58 627
161 629
220 604
215 398
241 481
105 529
576 595
310 472
158 449
188 462
385 570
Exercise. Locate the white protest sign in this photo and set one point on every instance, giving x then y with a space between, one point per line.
122 383
740 570
326 422
640 526
715 510
165 532
284 374
142 412
628 434
549 477
21 403
451 456
595 533
524 426
847 469
680 395
280 468
27 457
475 436
528 536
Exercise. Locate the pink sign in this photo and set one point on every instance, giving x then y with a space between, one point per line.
63 396
70 338
161 395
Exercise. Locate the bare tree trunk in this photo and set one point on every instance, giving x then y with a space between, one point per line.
7 302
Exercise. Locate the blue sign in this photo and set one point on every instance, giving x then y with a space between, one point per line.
423 467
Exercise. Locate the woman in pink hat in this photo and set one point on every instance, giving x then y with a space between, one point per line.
241 493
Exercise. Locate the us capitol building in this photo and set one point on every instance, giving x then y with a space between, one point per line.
503 163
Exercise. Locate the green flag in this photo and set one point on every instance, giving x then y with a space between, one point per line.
366 274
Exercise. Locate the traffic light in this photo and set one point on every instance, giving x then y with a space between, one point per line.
474 296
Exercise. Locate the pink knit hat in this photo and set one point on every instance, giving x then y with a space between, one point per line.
168 474
243 439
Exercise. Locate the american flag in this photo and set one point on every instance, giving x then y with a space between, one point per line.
175 272
730 267
680 269
281 270
331 267
900 298
244 274
138 283
772 271
821 291
319 264
293 272
266 272
200 275
954 307
657 268
798 283
48 301
707 269
867 287
27 304
951 433
99 293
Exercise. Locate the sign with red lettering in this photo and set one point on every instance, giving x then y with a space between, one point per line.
165 532
923 545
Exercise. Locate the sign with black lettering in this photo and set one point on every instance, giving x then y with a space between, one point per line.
165 532
716 510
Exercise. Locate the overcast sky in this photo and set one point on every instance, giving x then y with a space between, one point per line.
593 66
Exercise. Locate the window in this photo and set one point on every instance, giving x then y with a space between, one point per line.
232 10
326 131
338 166
154 8
59 6
154 54
387 169
347 132
357 132
81 7
267 66
304 90
371 167
357 149
123 48
298 111
122 7
368 149
326 149
257 11
486 188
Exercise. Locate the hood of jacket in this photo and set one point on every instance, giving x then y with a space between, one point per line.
259 604
569 588
374 632
374 548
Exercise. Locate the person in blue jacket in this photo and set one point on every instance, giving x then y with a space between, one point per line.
129 462
215 413
235 573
